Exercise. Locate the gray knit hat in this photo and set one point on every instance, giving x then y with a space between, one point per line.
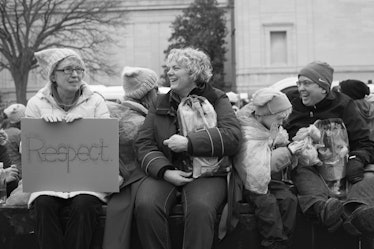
49 58
320 73
138 81
267 101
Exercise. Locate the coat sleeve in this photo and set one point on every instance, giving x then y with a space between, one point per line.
32 109
4 157
223 140
150 158
102 110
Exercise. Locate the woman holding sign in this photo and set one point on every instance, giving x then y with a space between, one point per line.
165 154
65 97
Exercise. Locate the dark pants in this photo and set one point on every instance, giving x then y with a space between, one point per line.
311 188
10 186
201 201
275 212
83 211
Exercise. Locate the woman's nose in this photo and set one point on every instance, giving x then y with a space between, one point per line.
74 73
170 71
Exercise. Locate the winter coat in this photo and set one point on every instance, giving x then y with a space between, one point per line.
335 105
253 161
161 123
4 157
366 110
89 105
120 207
13 147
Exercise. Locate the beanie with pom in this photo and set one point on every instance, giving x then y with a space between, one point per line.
138 81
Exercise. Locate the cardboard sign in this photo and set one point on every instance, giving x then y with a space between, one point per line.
77 156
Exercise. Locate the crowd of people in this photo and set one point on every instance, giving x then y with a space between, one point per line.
262 143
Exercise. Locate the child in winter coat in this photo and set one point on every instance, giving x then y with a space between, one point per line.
263 158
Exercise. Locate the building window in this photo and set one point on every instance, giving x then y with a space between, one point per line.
278 47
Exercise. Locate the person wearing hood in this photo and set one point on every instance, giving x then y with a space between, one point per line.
317 102
65 97
358 91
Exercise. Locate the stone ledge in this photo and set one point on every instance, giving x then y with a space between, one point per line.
17 231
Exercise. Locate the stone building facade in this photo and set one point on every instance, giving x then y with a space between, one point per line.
274 39
267 40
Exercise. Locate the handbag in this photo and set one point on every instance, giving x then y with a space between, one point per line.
195 113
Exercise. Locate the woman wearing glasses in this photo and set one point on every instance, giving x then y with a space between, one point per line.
65 97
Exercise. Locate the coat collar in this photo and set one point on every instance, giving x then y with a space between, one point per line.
167 104
46 93
326 102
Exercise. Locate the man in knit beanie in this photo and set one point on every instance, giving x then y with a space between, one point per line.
317 102
320 73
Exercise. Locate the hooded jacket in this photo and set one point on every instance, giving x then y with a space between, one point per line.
366 110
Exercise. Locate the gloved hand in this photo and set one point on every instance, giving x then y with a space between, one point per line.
355 169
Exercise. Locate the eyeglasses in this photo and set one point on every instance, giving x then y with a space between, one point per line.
305 83
70 70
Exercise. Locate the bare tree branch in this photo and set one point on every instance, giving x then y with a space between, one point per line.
28 26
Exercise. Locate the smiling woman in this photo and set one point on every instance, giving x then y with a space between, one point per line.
166 156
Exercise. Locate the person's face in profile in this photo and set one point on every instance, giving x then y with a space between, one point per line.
311 93
180 80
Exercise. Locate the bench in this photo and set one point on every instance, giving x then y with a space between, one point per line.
17 232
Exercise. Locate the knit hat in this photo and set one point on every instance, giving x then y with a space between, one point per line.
49 58
354 88
268 101
137 81
15 112
320 73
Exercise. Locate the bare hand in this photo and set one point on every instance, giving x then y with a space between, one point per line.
177 143
71 117
51 118
11 173
3 137
178 177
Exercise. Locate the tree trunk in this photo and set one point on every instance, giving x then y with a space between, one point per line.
20 81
